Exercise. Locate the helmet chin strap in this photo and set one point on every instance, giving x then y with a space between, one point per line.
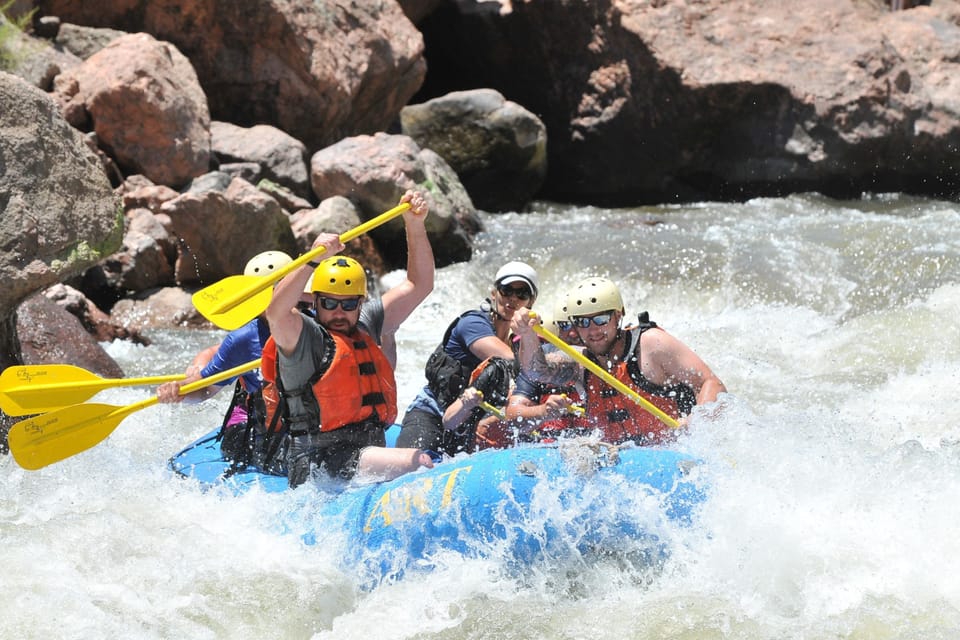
490 307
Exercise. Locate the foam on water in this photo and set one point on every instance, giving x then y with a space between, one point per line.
834 469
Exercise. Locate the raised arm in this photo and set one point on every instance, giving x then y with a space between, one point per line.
282 316
400 301
558 369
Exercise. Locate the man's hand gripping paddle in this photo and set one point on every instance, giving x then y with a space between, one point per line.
236 300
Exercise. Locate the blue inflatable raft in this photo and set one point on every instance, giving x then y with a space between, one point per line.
523 504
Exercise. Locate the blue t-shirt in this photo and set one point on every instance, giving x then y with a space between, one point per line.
239 347
472 326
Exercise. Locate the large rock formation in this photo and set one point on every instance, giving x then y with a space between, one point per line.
497 148
58 214
680 100
376 170
142 98
318 71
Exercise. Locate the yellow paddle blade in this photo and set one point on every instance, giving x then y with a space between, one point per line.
605 376
236 300
31 389
43 440
40 441
208 301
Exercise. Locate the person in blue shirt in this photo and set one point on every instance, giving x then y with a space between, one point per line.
245 413
238 347
473 337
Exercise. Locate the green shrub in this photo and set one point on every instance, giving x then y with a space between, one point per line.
11 47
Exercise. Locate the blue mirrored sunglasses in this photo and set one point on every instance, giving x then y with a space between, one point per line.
350 304
599 320
564 325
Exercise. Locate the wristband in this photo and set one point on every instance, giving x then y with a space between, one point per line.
314 264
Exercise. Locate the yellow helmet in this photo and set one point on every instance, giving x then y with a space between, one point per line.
263 264
593 295
340 276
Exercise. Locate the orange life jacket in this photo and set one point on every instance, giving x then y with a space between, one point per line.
355 383
620 418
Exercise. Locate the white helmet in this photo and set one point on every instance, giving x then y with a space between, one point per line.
560 313
518 272
547 320
593 295
263 264
549 317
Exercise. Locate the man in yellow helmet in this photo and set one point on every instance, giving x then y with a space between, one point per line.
336 380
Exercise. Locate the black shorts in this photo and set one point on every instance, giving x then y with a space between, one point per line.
424 430
337 452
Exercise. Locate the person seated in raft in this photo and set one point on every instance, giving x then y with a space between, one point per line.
469 419
543 412
244 415
471 338
337 382
645 358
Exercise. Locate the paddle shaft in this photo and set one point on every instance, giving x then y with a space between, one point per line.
30 389
260 283
189 388
489 408
597 370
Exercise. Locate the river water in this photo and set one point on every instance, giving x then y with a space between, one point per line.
834 467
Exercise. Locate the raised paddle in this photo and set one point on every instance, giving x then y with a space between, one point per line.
597 370
236 300
49 438
39 388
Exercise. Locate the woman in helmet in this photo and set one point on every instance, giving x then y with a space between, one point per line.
238 347
337 383
473 337
656 365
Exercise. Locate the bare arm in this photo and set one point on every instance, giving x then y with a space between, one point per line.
169 392
461 408
400 301
667 360
284 319
529 414
491 346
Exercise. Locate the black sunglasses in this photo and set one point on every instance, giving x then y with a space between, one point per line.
599 320
520 293
564 325
350 304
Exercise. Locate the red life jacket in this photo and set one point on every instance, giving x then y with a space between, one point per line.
354 383
620 418
550 428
